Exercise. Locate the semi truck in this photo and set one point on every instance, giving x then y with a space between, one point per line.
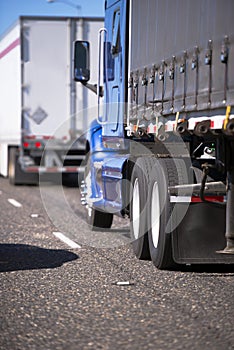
40 132
161 151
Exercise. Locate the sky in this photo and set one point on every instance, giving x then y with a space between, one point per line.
10 10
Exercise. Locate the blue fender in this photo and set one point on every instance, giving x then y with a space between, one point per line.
104 188
112 175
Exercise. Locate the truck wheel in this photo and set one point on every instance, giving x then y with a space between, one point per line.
95 218
14 169
16 175
70 180
164 174
139 207
98 219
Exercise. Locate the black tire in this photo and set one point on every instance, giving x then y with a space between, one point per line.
165 173
13 168
70 180
96 219
16 175
139 207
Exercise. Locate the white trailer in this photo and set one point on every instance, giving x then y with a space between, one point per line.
39 99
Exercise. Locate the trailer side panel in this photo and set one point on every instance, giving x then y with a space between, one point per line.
191 61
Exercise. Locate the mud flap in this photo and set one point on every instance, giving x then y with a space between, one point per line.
200 235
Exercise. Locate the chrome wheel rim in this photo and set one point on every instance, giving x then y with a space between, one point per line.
136 209
155 215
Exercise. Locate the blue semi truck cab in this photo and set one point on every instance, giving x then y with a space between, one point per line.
161 149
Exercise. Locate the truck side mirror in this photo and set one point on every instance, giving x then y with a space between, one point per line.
81 61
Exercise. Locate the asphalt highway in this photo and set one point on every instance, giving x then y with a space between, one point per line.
63 286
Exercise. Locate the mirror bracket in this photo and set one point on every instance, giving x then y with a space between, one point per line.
93 87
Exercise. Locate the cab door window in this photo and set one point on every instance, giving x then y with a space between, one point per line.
115 48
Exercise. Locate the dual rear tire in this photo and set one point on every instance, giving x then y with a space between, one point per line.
151 224
139 207
159 216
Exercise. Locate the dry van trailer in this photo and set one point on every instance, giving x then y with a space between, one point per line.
39 128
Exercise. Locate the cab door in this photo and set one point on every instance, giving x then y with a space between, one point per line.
114 70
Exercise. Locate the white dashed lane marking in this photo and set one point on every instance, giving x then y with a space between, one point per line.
14 203
66 240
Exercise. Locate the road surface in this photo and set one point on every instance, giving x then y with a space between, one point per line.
65 287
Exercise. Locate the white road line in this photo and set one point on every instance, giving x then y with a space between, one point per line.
14 203
66 240
34 215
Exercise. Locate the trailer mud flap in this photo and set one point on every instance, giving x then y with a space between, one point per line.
200 235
